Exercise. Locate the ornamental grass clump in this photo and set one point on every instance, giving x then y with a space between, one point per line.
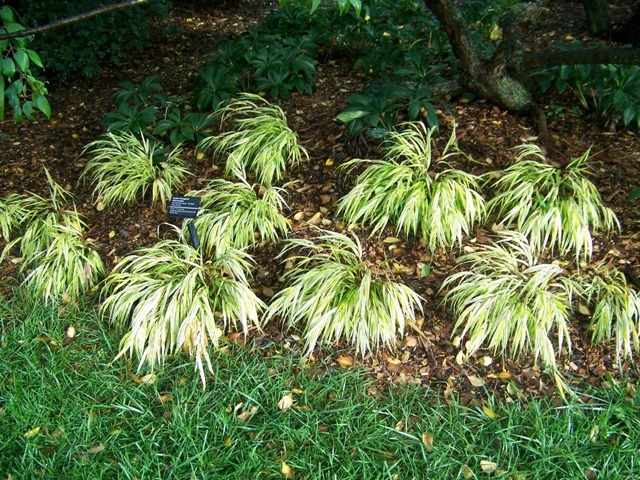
260 142
238 215
614 309
125 166
57 261
172 300
555 208
403 190
334 294
507 301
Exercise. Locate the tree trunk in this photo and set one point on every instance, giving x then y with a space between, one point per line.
597 17
486 77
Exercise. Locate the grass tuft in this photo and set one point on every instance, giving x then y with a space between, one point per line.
554 208
401 189
260 142
335 295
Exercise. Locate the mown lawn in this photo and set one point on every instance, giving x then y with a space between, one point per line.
67 412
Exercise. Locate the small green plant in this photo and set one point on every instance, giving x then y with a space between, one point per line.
125 166
401 189
335 295
509 301
172 299
260 141
190 126
56 259
553 207
238 215
216 84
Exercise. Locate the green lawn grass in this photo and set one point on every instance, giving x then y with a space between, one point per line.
66 413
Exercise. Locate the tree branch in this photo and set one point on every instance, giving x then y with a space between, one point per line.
546 59
76 18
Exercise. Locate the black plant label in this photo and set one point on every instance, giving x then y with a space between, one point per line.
183 207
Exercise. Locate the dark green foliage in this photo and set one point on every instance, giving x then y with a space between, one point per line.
612 92
18 87
383 105
83 46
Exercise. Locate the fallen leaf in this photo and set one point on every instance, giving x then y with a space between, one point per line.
466 472
316 219
268 292
32 433
297 391
392 240
345 362
487 466
71 331
298 216
486 361
329 162
247 414
427 441
489 413
287 471
148 379
165 399
410 341
97 448
112 234
501 375
425 270
476 381
286 402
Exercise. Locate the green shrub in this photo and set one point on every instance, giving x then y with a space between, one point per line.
553 207
82 47
335 295
172 300
125 166
402 189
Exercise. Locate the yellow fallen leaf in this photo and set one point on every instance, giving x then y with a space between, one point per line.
489 413
501 375
97 448
200 156
466 472
297 391
476 381
286 402
487 466
345 362
31 433
287 471
112 234
247 414
329 162
71 331
427 441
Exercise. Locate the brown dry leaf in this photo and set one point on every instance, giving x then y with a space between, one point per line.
501 375
476 381
427 441
247 414
466 472
96 448
410 341
345 362
298 216
286 402
489 413
31 433
287 471
268 292
487 466
165 399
